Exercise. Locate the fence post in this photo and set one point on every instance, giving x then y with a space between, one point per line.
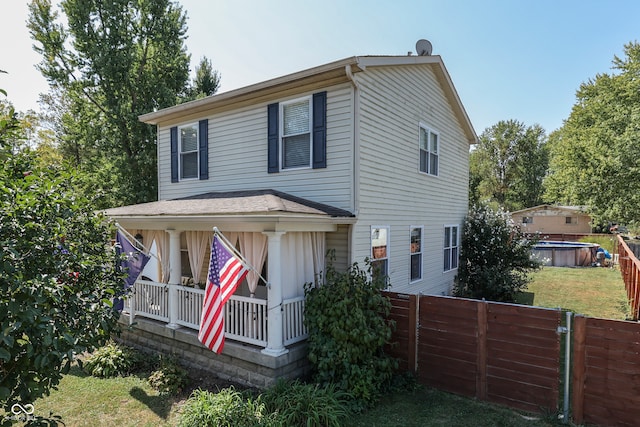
414 315
481 378
579 367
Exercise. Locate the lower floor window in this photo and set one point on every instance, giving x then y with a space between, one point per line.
451 247
380 251
415 252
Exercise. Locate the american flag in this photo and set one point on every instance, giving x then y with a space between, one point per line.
226 272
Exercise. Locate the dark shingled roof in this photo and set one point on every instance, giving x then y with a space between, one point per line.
231 203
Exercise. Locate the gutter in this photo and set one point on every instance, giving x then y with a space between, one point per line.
356 152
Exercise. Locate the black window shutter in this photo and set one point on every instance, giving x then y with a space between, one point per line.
272 138
320 130
203 136
174 154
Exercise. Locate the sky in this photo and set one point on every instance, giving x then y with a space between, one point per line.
508 59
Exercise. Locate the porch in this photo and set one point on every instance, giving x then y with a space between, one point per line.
282 236
246 318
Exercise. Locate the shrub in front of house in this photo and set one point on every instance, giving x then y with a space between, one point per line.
169 378
311 405
113 360
495 256
226 408
348 328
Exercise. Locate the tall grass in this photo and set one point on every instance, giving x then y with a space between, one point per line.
311 405
606 241
227 408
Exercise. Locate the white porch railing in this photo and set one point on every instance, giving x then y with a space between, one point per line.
293 321
245 318
189 306
149 299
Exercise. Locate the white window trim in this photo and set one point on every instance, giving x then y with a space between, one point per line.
387 258
281 135
421 227
180 152
445 247
429 130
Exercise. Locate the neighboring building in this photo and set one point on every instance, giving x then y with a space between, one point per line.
367 157
550 220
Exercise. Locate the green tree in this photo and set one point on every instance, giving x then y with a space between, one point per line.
495 256
57 277
206 81
595 156
508 166
113 61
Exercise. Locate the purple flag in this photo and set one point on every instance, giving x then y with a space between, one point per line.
133 265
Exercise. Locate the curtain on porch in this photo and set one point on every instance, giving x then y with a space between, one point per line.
161 238
253 247
198 243
303 257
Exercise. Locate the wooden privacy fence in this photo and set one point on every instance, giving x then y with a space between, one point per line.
606 372
510 354
502 353
630 270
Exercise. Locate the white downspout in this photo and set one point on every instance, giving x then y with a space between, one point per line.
356 155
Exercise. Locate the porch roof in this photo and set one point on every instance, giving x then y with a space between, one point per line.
234 203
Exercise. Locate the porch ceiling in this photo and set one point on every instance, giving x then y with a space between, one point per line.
250 206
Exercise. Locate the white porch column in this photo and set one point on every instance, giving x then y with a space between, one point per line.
275 339
175 276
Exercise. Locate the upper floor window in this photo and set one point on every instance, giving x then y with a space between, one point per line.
429 141
296 133
415 252
189 151
571 220
451 246
527 220
380 251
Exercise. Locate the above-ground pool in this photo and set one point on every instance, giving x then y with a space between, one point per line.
565 254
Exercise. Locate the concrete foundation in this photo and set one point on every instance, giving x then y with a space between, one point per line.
241 363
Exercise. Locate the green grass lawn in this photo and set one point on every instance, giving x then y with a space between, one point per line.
83 400
592 291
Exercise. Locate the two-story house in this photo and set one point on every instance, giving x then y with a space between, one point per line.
366 157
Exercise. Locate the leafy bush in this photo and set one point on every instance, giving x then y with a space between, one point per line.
495 257
170 378
112 360
297 403
227 408
348 328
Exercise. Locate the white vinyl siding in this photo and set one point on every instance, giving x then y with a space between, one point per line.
337 244
379 183
238 155
393 102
